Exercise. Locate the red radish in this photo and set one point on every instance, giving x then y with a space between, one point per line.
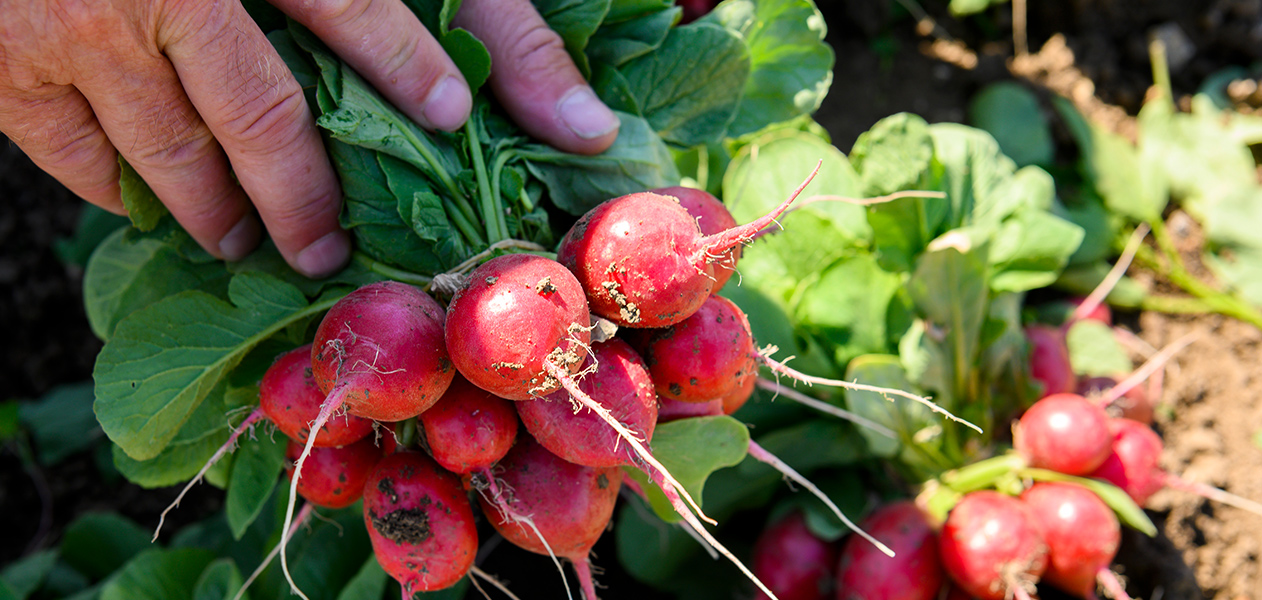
469 429
991 547
713 218
1093 311
1134 404
1082 536
709 355
617 379
568 505
420 522
913 573
379 352
739 396
1049 360
334 477
291 399
672 410
643 260
695 9
1133 463
794 563
518 312
1065 433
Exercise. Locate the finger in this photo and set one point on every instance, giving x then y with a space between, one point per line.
143 109
535 79
385 42
257 111
57 130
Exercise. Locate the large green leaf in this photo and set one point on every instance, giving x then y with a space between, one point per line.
974 174
638 160
1094 350
95 224
159 575
575 21
893 155
949 289
846 307
692 449
62 422
97 544
616 43
689 89
1011 113
368 584
143 206
1129 186
220 581
791 65
23 577
900 415
255 471
165 359
1030 250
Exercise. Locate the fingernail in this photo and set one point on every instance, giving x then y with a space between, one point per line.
324 256
241 239
448 105
585 114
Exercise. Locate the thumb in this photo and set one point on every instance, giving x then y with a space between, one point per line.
535 80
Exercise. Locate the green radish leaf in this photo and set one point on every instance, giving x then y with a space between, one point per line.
948 287
204 432
1087 211
1109 161
165 359
255 471
1094 351
10 420
622 10
575 21
1127 511
638 160
690 102
791 65
332 555
143 206
129 272
62 422
220 581
809 445
23 577
692 449
97 544
615 91
470 56
368 584
1010 112
95 224
158 575
905 418
846 489
616 43
845 308
892 156
1030 250
268 260
975 176
1235 252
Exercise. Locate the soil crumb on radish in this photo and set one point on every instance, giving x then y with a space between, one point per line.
406 526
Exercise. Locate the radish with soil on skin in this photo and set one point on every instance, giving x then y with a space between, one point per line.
1065 433
712 217
1082 536
569 505
991 547
913 573
379 353
794 563
1134 466
643 260
334 477
709 355
291 400
1049 360
516 313
420 522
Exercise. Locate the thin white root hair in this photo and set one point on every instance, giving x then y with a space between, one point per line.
824 407
491 579
692 533
227 446
781 369
1212 493
643 453
307 511
872 200
762 455
1115 275
1147 369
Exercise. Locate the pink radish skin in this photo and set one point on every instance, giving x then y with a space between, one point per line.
1100 312
708 355
991 547
1049 360
644 261
739 396
1081 532
291 400
380 351
794 563
621 384
673 410
469 429
712 217
517 312
1133 463
569 505
334 477
1064 433
420 523
914 573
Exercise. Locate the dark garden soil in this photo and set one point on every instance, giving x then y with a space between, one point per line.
1093 51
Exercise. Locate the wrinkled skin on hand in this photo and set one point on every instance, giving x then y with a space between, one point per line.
190 92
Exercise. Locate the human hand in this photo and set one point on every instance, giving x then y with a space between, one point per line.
190 92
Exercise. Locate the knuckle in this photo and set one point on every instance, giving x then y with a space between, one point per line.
172 139
270 121
536 52
332 12
305 213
